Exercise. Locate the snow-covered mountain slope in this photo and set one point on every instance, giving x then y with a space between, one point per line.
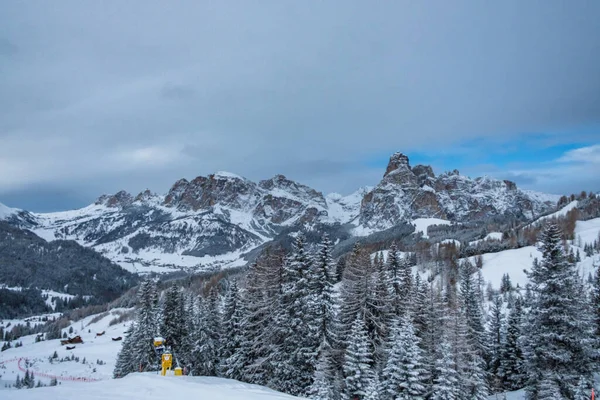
213 222
6 212
586 232
89 374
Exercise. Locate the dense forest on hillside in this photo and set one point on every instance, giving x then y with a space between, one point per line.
386 333
28 261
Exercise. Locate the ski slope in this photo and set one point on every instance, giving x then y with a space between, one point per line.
150 386
91 380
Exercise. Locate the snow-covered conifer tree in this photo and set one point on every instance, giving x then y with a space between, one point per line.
404 374
512 369
445 385
173 327
146 327
560 331
358 373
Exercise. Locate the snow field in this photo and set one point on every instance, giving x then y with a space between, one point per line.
35 356
150 386
421 224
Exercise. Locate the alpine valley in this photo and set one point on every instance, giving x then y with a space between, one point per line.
224 220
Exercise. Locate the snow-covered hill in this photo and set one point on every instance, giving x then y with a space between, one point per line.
212 222
86 371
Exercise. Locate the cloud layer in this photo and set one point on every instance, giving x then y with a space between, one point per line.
96 96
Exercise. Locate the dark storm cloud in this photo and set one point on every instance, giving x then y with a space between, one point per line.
138 94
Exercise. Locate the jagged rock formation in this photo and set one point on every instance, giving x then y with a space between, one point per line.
407 193
212 221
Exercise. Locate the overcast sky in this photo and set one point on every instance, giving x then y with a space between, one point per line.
101 96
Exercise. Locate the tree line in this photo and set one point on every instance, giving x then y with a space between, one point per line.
381 332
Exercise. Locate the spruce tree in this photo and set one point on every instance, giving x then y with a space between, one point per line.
299 324
512 368
584 389
207 343
261 333
126 362
445 385
230 328
146 328
405 283
560 333
322 281
404 375
474 353
394 269
380 312
596 302
358 373
322 387
496 340
173 328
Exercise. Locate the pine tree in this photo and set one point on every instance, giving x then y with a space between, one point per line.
596 302
231 334
299 322
126 362
322 387
372 391
549 389
584 390
190 317
560 333
512 368
261 335
405 283
358 373
322 281
380 312
472 368
137 353
495 334
356 288
394 267
173 327
445 386
404 375
207 342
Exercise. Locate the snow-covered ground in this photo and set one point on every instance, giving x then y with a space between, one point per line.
6 212
587 230
93 380
35 356
560 213
518 395
489 236
150 386
421 224
33 321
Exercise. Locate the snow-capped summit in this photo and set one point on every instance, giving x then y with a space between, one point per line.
213 220
6 212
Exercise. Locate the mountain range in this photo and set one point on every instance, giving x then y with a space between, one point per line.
217 221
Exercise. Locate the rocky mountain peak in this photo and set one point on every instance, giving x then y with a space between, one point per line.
118 200
302 192
424 174
398 163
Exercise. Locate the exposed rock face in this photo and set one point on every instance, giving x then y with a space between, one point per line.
120 199
212 220
406 193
